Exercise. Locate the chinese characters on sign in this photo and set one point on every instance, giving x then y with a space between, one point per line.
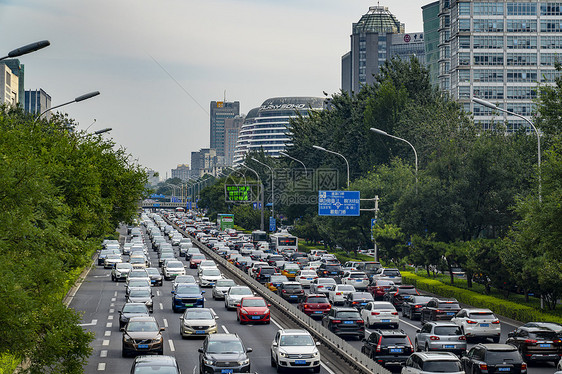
235 193
338 203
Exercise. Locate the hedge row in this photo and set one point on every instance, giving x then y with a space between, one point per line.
501 307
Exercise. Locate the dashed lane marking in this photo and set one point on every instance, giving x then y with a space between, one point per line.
165 322
105 342
103 353
172 347
110 317
107 333
161 306
101 366
225 329
109 325
93 323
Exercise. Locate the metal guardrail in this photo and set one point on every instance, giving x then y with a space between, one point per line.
346 351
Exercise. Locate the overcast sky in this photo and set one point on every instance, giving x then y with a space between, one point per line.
137 53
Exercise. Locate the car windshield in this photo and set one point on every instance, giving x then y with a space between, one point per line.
230 346
142 326
333 267
185 279
198 314
498 357
326 281
482 315
447 330
225 283
194 251
442 366
137 260
208 263
140 293
383 306
292 267
543 335
134 308
371 267
346 288
407 291
357 275
392 273
174 265
137 274
278 279
240 291
198 257
317 300
152 271
296 340
167 255
449 306
253 303
292 286
113 256
211 272
395 340
124 265
187 289
348 314
265 270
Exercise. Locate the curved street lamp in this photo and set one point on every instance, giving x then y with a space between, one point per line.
76 100
493 106
27 49
292 158
336 153
261 194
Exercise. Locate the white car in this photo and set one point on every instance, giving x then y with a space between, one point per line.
111 259
184 247
235 294
206 264
183 279
339 292
432 362
306 277
357 279
172 268
390 274
380 313
322 285
209 276
478 323
294 349
221 287
120 271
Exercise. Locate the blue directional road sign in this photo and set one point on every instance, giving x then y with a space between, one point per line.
373 223
272 227
338 203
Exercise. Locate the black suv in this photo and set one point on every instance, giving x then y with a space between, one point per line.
291 291
329 271
536 343
264 273
388 347
345 321
438 309
224 353
493 358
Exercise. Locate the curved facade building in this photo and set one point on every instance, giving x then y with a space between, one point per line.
266 127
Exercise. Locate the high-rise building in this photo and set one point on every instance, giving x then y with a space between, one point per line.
182 172
498 51
231 129
205 161
19 71
377 36
221 110
153 177
267 127
9 86
430 13
37 101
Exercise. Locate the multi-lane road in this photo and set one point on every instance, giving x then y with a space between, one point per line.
100 299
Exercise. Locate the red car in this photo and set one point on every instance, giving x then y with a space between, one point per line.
379 287
252 309
196 260
315 305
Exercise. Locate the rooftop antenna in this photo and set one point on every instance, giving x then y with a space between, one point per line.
225 96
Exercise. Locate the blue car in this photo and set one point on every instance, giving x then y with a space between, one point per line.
187 295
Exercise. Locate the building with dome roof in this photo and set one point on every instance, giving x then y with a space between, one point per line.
376 37
267 128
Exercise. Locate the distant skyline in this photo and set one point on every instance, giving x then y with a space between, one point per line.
139 53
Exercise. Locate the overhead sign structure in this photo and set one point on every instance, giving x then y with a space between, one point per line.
238 193
339 203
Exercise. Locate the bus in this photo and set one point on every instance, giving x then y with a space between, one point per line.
282 241
258 236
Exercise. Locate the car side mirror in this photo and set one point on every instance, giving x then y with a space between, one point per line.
274 344
237 305
216 317
200 350
173 292
318 344
202 292
511 334
249 350
268 305
418 330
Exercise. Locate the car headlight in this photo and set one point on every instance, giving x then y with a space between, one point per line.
316 354
243 311
266 312
244 362
283 354
127 338
208 362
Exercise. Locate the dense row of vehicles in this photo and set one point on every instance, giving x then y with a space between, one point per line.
348 299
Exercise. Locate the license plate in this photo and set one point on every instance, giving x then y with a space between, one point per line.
309 279
199 331
152 281
395 350
358 280
449 346
188 304
212 283
334 272
226 371
545 345
450 313
504 369
386 320
293 296
143 346
300 362
318 312
484 325
348 322
391 277
255 317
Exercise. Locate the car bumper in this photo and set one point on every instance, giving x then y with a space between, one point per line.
385 321
448 347
254 318
133 348
390 360
541 356
479 332
298 363
189 331
226 369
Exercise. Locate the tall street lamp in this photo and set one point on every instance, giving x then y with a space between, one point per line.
292 158
27 49
261 193
336 153
272 185
107 129
76 100
493 106
404 140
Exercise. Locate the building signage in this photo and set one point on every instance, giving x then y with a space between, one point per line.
338 203
283 106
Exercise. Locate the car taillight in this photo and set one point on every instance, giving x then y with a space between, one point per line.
379 344
337 321
523 366
394 313
375 313
471 322
417 306
530 341
360 321
283 290
396 293
411 345
496 322
483 367
462 337
338 293
433 337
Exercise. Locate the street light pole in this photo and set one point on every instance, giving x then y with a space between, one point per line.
336 153
493 106
262 226
76 100
292 158
27 49
272 185
404 140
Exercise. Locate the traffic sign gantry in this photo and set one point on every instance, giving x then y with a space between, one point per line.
339 203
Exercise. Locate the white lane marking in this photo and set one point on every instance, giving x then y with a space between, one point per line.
110 317
157 293
275 323
113 299
165 322
103 353
101 366
409 324
172 348
107 333
109 325
93 323
115 294
105 342
111 311
161 306
225 329
112 304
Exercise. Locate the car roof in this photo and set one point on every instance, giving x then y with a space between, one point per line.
478 310
142 319
291 282
443 323
344 309
293 332
385 332
496 346
437 356
155 360
223 336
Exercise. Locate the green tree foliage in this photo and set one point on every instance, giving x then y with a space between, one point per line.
549 120
61 192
